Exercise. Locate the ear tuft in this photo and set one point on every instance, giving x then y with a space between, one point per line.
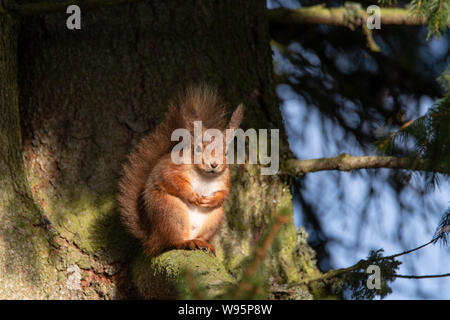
236 118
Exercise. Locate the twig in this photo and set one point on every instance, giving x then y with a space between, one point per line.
192 285
346 162
422 277
260 254
406 252
327 275
419 3
394 134
438 17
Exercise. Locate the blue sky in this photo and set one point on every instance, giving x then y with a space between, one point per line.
340 204
381 228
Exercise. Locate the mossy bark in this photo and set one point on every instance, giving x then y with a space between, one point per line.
86 98
36 261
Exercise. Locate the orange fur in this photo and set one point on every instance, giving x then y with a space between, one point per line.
159 200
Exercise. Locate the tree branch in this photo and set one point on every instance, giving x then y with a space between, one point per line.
361 264
347 162
328 275
408 251
422 277
309 15
339 16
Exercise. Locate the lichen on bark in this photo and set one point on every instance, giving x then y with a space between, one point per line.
180 274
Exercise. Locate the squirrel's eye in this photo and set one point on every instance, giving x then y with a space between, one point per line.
198 149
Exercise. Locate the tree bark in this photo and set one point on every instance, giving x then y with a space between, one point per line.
31 248
86 98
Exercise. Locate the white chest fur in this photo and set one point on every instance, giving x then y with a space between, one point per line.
204 186
197 218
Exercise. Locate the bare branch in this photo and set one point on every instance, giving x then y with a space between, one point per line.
408 251
338 16
422 277
347 162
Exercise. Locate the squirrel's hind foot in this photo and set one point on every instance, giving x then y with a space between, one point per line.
197 244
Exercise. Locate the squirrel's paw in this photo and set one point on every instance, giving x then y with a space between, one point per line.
194 198
209 201
198 244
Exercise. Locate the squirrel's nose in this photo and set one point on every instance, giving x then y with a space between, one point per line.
214 165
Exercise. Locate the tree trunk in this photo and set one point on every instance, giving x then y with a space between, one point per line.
86 98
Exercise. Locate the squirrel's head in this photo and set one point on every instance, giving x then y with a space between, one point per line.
212 148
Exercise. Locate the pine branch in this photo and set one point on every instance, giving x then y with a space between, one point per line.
339 16
436 24
362 264
443 229
346 162
245 285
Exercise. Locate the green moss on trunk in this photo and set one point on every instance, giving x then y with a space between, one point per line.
181 274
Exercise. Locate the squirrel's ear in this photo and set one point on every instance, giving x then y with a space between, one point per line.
236 118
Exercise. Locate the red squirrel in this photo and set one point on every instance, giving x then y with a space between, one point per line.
178 206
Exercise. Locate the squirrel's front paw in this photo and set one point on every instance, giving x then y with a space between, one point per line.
194 198
210 201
